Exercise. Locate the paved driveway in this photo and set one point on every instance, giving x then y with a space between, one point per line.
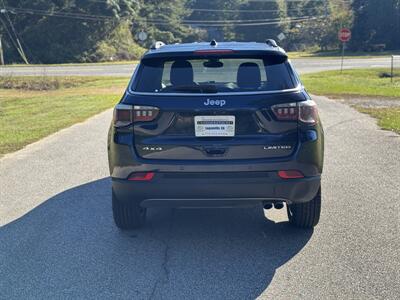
58 239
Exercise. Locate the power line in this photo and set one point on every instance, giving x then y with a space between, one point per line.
252 24
262 10
157 21
193 9
231 22
324 1
87 17
221 21
198 23
103 17
248 10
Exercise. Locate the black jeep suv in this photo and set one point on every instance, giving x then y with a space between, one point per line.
215 124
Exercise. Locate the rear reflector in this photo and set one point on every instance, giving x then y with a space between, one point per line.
141 176
290 174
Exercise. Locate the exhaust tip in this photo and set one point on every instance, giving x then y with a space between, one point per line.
278 205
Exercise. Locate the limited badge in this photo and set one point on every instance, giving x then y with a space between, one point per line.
278 147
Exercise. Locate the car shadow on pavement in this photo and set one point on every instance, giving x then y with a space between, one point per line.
68 247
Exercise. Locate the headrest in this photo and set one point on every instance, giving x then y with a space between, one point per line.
181 73
249 76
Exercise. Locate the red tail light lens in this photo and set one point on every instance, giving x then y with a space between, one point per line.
286 111
290 174
141 176
122 115
305 111
125 115
145 113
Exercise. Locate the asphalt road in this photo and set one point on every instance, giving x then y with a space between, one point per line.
58 240
304 65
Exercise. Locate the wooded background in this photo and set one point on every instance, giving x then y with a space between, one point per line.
59 31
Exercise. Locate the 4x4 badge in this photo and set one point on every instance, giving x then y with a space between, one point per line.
152 148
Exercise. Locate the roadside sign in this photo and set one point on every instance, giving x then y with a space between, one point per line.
281 36
142 36
344 35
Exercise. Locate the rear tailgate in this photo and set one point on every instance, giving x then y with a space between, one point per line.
176 133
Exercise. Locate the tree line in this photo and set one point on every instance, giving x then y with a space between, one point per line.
54 31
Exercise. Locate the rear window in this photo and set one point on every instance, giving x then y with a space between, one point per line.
212 75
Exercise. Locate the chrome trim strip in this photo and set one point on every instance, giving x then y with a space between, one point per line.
296 89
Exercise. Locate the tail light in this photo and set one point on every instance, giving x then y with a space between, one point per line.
305 111
308 112
145 113
286 111
125 115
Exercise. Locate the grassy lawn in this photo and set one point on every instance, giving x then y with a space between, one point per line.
360 83
338 54
34 107
120 62
388 118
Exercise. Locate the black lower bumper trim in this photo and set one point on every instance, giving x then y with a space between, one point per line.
200 190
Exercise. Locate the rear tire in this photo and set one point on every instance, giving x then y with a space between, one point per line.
306 215
127 214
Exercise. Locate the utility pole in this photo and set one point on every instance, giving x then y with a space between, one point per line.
16 43
1 52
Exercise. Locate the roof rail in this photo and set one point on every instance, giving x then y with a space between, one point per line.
271 42
214 43
157 45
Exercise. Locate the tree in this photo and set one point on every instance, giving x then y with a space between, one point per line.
219 11
91 30
64 30
163 20
320 25
376 22
262 12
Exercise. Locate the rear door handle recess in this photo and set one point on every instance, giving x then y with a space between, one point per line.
215 151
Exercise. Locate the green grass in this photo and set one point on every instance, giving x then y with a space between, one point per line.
388 118
28 115
41 83
338 53
359 82
119 62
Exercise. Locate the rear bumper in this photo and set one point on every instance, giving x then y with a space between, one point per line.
216 189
